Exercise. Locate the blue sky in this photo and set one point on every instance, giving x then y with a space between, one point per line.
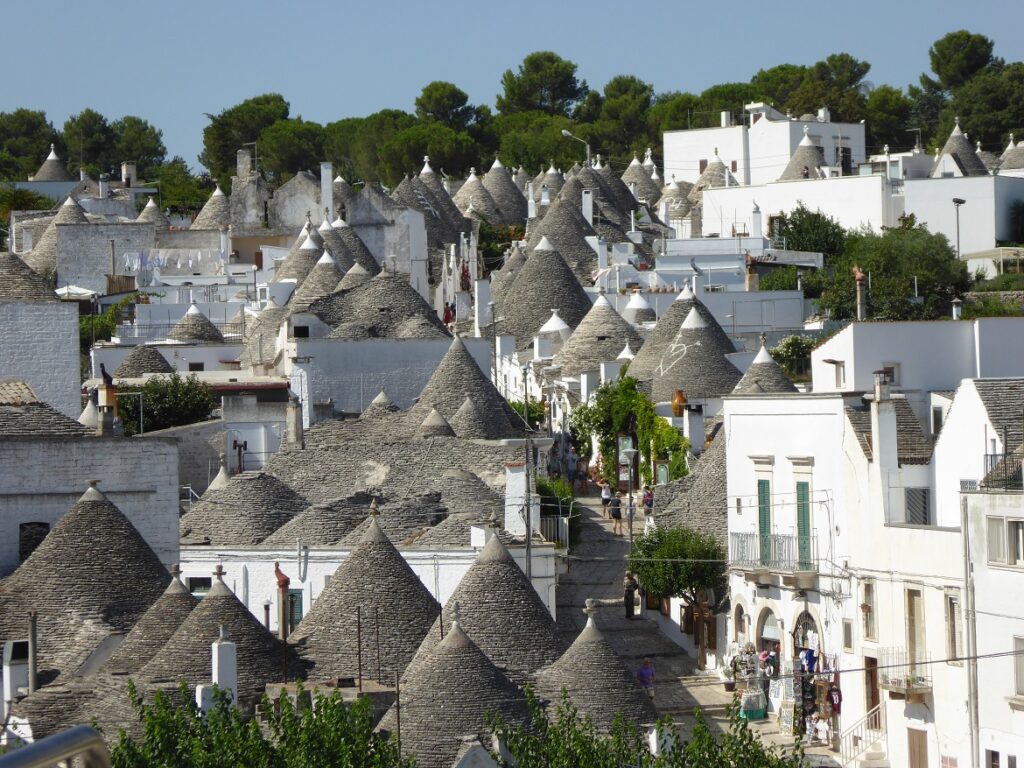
172 62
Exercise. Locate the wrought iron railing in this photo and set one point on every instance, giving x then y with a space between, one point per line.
1003 472
774 551
900 669
140 332
862 735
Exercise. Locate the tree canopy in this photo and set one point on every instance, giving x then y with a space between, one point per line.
680 562
544 82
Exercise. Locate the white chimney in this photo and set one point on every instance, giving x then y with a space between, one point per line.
15 672
824 116
531 204
958 309
515 493
225 664
128 173
104 186
293 422
726 118
545 195
884 454
588 206
327 190
755 222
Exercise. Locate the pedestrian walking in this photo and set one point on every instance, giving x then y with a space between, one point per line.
648 499
645 676
572 466
606 496
615 509
629 587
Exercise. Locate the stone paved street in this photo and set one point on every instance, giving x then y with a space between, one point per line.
596 569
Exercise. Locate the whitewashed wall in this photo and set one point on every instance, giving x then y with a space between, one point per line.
39 345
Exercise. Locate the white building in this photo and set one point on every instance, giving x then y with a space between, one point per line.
757 151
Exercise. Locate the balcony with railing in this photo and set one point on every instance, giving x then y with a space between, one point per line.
792 556
1003 472
905 672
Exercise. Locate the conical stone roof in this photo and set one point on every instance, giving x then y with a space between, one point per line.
321 281
506 195
498 606
521 178
1010 146
434 425
471 423
463 492
300 261
596 680
1013 159
356 247
500 280
554 181
703 505
322 525
195 326
141 360
566 229
473 194
676 196
448 697
52 169
216 214
343 192
457 377
93 574
20 283
419 197
621 197
353 278
544 283
383 303
444 200
43 256
598 338
395 607
714 175
660 338
248 509
639 176
763 375
334 245
153 630
381 405
805 158
959 148
638 310
151 214
261 335
694 362
261 657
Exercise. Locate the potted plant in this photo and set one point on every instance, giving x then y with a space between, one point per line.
728 674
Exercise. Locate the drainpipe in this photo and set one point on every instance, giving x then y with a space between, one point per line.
32 647
972 637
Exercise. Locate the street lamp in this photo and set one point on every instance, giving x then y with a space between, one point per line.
630 454
568 135
957 202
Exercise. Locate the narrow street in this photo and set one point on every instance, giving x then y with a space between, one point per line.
596 569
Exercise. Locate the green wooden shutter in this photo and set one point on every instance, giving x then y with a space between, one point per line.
764 519
294 608
803 524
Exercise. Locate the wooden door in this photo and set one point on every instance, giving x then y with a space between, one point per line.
917 749
871 683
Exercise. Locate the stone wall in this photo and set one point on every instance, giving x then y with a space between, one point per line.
83 251
199 447
1014 298
39 345
43 477
288 208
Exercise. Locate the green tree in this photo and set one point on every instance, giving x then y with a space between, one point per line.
621 127
894 259
562 738
372 133
837 83
680 562
180 190
25 139
494 240
544 82
534 139
454 151
793 353
724 97
167 402
289 146
447 104
90 142
324 732
777 84
888 112
927 102
136 139
989 105
805 230
14 199
671 112
959 56
619 407
339 138
235 126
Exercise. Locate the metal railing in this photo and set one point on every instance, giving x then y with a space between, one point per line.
555 528
1003 472
904 671
157 331
82 743
862 735
774 551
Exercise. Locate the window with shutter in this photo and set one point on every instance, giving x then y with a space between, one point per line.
803 525
764 519
294 608
996 539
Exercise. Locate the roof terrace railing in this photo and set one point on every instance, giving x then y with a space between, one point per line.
82 743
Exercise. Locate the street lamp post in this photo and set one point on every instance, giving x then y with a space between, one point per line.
585 143
630 510
957 202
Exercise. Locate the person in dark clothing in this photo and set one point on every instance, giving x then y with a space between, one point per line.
615 508
629 587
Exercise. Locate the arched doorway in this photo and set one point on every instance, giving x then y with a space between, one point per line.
806 634
739 624
768 634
